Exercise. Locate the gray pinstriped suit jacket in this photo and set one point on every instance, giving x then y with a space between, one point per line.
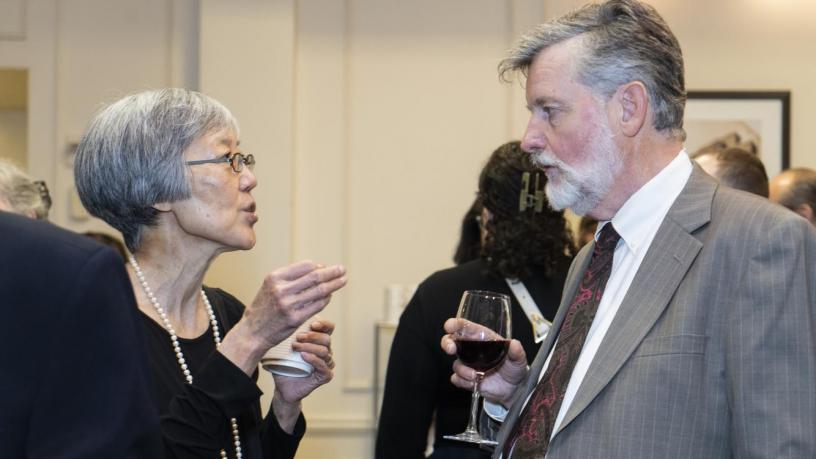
712 353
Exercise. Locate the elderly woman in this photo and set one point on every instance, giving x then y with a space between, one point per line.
525 253
164 168
21 194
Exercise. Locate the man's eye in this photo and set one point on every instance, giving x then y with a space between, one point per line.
546 112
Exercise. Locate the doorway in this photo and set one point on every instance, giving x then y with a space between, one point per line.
14 116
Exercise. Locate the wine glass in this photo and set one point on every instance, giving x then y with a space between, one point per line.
481 344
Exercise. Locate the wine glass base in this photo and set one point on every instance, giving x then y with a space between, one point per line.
471 438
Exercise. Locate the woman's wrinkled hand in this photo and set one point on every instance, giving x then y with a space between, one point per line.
315 348
289 296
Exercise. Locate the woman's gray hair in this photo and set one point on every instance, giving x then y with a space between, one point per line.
23 194
624 41
131 156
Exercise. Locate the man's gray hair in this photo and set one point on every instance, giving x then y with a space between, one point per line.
23 194
131 156
624 41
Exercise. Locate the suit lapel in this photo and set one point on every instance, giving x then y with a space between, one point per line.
667 260
579 265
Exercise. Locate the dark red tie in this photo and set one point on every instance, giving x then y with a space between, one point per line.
530 436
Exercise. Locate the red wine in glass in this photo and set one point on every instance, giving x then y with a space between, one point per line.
482 356
482 342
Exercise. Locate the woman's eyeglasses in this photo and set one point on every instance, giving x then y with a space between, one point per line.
45 196
235 160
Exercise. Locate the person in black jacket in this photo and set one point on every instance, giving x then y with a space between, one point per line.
470 243
523 242
73 374
164 168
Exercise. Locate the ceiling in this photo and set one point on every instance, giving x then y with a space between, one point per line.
13 89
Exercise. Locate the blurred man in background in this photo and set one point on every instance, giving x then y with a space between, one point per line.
735 168
796 189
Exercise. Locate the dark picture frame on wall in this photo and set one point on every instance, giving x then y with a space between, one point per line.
758 121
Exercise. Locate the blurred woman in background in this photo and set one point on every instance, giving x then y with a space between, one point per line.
470 238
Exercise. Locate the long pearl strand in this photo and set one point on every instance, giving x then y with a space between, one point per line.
177 348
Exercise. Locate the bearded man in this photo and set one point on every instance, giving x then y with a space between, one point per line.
688 328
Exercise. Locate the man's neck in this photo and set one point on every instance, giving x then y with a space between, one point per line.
642 161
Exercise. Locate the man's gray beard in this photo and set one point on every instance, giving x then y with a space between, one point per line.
571 192
582 193
570 196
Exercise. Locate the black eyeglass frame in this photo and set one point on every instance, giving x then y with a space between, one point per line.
45 196
237 166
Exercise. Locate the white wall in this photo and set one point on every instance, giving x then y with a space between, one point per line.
370 120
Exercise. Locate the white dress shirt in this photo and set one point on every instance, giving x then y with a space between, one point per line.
637 222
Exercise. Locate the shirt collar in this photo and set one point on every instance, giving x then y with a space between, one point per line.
647 207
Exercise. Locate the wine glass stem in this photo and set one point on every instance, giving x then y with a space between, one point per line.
474 405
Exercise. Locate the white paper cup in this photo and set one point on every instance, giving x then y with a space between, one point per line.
282 360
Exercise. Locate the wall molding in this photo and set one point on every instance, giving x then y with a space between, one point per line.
317 425
356 385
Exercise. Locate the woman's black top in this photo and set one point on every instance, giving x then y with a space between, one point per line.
418 379
195 418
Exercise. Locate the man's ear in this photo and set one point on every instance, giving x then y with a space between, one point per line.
633 100
806 211
162 206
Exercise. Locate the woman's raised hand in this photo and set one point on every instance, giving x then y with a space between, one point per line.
287 298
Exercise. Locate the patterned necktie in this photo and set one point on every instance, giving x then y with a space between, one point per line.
530 436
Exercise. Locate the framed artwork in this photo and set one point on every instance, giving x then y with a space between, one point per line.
758 121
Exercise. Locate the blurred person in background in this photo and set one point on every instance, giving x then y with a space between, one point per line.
796 189
22 194
525 244
470 239
164 168
74 378
586 230
736 168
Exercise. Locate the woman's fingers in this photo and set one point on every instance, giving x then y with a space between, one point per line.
313 337
323 366
322 325
308 280
295 270
317 291
324 352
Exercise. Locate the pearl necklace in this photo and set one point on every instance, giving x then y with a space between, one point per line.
177 348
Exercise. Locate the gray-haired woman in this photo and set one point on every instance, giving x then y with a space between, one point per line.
164 168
